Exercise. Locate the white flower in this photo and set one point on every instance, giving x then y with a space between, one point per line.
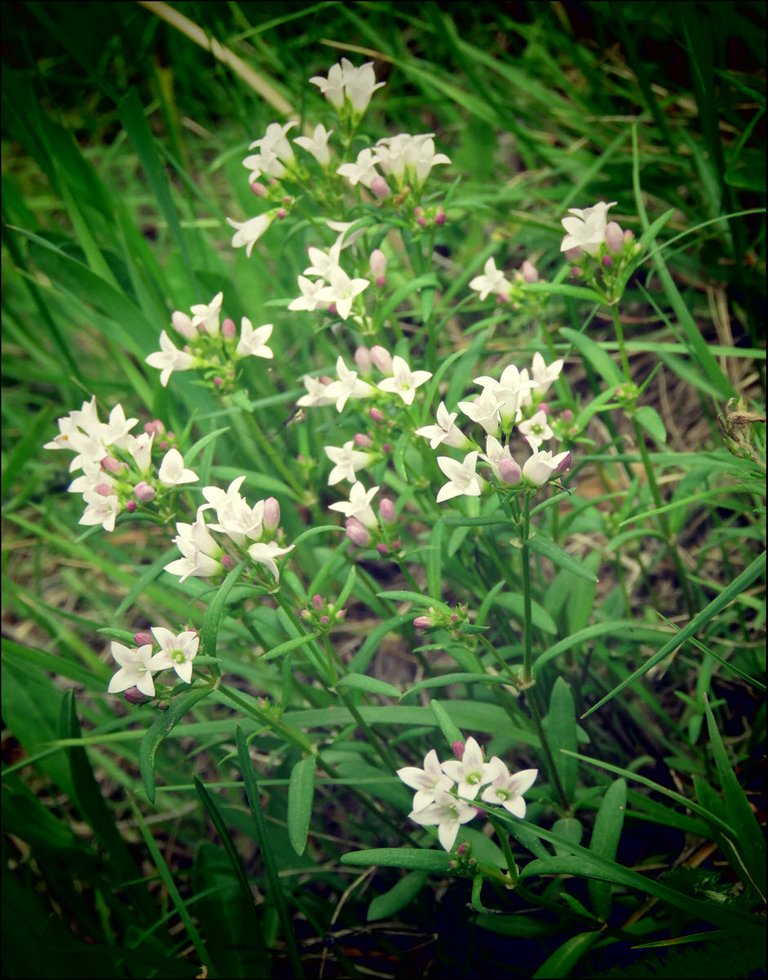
427 782
206 316
264 553
100 510
491 281
470 772
507 788
448 813
310 297
116 431
542 466
445 431
347 462
253 343
172 471
347 386
510 392
135 669
358 505
317 393
404 381
495 454
362 171
409 159
485 411
347 83
544 374
332 87
249 232
323 263
586 227
182 324
317 144
175 651
140 450
91 477
536 429
236 518
200 551
342 291
462 478
169 359
274 153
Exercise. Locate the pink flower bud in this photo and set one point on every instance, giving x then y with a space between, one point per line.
259 189
565 464
463 849
357 533
382 359
142 638
318 601
458 750
281 213
397 544
332 309
134 696
363 361
509 471
440 217
378 265
362 440
607 261
629 236
530 272
111 465
380 188
575 272
386 448
324 620
228 329
544 407
227 562
287 200
155 427
271 517
341 613
131 506
387 511
423 622
376 415
566 415
614 237
218 382
383 549
144 492
104 490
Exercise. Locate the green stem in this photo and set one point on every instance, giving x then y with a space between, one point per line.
527 677
622 345
541 732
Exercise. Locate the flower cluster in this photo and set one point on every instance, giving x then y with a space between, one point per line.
118 472
599 250
493 281
407 160
445 790
512 401
138 666
331 287
245 532
210 347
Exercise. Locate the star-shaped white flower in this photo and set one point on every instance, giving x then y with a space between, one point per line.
172 472
358 505
101 509
536 429
542 466
205 316
310 297
169 359
470 772
362 171
347 386
484 410
404 382
463 481
317 393
249 232
199 549
342 291
135 669
176 651
445 431
492 280
317 144
347 462
253 342
448 813
586 227
544 374
427 782
265 552
507 788
323 263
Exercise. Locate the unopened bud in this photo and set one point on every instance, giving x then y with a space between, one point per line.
423 622
440 217
386 448
420 218
629 236
614 237
271 517
575 272
259 189
229 329
463 849
383 549
227 562
376 415
218 382
111 465
357 533
458 750
363 441
142 638
530 272
363 361
154 428
131 506
281 213
607 261
134 696
144 492
378 264
324 620
182 324
382 359
380 188
566 415
318 602
104 490
565 464
510 472
387 511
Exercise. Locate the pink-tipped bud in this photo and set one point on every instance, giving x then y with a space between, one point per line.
362 440
340 614
440 217
318 602
182 324
566 415
387 511
376 415
575 272
463 849
380 188
227 562
332 309
142 638
378 265
218 382
111 465
565 464
386 448
104 490
131 506
154 428
529 271
382 359
281 213
271 517
357 533
397 544
259 189
363 361
287 200
229 329
607 261
324 620
134 696
143 492
458 750
544 407
614 237
510 472
423 622
629 236
383 549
